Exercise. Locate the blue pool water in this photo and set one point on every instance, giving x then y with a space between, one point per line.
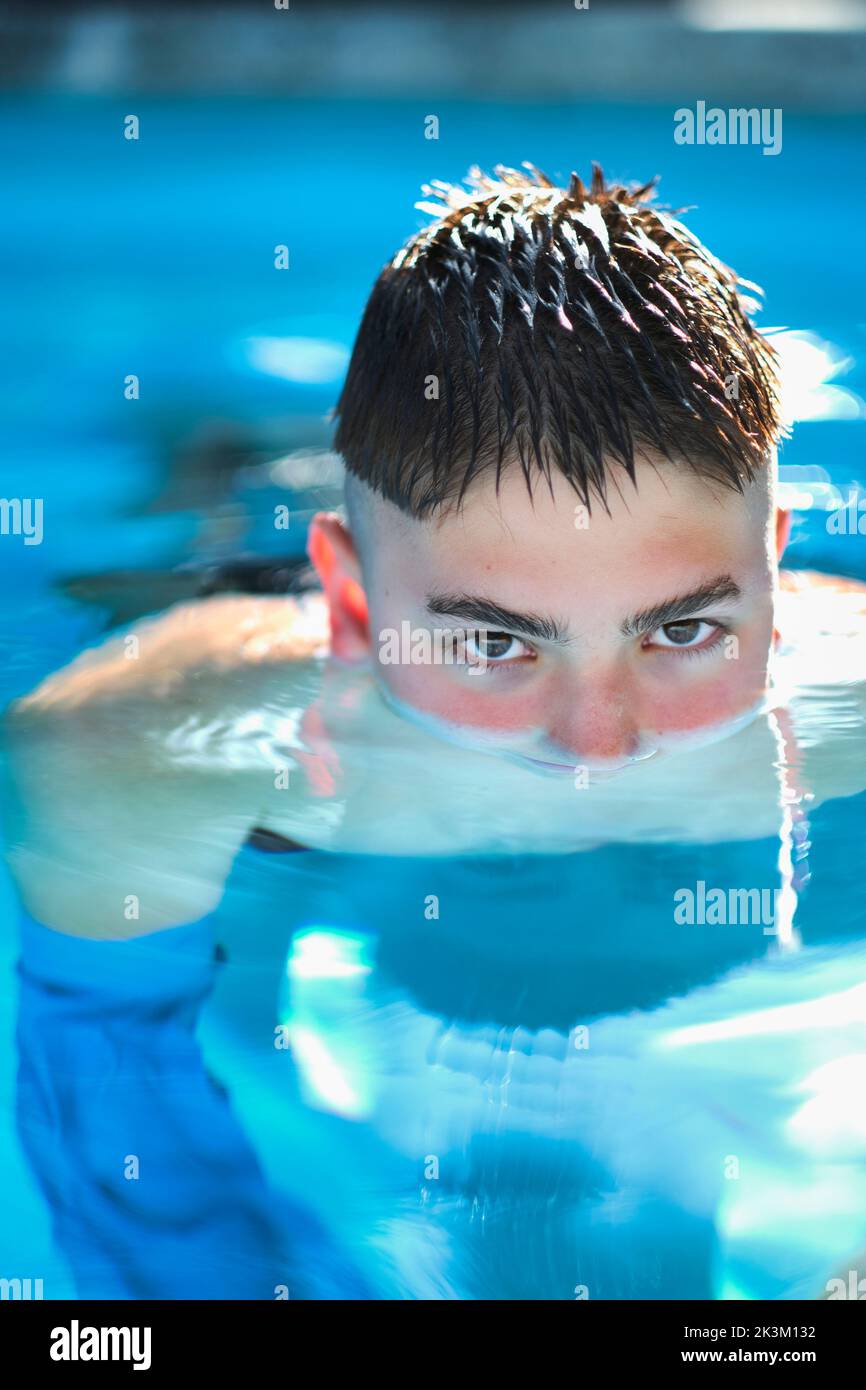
440 1124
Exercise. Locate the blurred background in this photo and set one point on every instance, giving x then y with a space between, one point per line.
310 127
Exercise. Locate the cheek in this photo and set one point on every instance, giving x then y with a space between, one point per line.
728 688
473 701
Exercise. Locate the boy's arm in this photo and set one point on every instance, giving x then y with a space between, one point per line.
110 832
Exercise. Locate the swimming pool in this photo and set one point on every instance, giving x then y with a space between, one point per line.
550 1090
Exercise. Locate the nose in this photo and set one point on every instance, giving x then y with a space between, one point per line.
596 720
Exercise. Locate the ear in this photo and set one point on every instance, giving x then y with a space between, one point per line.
783 531
335 559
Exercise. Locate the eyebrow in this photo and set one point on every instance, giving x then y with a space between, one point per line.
720 590
483 612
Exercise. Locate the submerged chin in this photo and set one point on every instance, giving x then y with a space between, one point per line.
533 749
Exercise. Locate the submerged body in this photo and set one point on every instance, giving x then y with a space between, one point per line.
539 1080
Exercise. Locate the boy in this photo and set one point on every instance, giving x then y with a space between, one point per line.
559 573
559 428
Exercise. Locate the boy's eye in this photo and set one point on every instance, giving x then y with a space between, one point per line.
494 647
691 632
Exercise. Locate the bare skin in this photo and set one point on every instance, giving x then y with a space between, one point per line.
140 768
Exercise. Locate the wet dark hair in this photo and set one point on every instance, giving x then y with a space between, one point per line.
566 329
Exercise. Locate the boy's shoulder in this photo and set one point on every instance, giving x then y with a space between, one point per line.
814 609
815 581
96 813
211 642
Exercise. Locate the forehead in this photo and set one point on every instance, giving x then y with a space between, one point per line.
671 525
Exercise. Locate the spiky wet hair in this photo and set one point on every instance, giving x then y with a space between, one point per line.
565 329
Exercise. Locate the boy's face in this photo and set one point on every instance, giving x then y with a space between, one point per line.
599 638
